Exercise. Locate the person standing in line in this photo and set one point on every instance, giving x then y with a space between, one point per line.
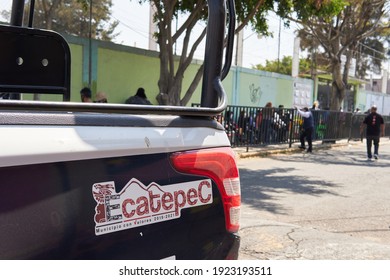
375 128
139 98
315 105
242 126
101 97
267 115
307 129
86 95
283 120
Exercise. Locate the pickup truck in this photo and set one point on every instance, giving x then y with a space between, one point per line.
113 181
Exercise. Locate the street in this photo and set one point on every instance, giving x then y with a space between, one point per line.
332 204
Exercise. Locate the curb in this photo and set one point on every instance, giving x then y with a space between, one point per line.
264 152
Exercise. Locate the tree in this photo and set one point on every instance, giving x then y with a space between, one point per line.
284 66
342 35
73 17
249 12
369 56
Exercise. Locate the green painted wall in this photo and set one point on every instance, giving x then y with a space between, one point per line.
229 85
115 69
361 99
256 88
119 74
119 70
188 78
76 71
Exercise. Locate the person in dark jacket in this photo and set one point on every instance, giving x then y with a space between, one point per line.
375 127
307 129
139 98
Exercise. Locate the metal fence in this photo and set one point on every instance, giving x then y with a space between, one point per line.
258 126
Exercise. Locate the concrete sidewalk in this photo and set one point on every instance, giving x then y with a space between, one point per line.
267 150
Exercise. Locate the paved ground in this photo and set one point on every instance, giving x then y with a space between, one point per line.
333 204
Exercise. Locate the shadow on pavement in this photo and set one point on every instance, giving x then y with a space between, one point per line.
337 157
263 195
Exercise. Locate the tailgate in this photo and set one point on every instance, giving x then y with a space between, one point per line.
75 187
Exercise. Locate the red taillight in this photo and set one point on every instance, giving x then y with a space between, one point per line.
220 165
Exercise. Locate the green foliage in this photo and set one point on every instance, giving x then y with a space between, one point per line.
361 22
84 4
72 17
284 66
324 9
253 13
370 55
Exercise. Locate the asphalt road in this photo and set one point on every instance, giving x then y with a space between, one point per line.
329 205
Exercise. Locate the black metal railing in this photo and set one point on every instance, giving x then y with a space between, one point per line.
259 126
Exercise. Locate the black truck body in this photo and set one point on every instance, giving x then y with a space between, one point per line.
111 181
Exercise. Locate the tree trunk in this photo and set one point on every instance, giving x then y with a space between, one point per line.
338 86
193 86
172 71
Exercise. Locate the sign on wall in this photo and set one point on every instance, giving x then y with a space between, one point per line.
302 94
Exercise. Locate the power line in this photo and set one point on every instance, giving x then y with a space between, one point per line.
132 29
372 49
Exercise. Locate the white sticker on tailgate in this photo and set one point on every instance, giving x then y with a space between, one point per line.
138 205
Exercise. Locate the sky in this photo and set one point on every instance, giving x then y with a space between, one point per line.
134 20
134 31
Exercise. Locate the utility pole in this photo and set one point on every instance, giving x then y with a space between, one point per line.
152 27
279 38
239 48
295 59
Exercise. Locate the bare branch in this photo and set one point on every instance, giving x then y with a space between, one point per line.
193 18
190 56
249 16
193 86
